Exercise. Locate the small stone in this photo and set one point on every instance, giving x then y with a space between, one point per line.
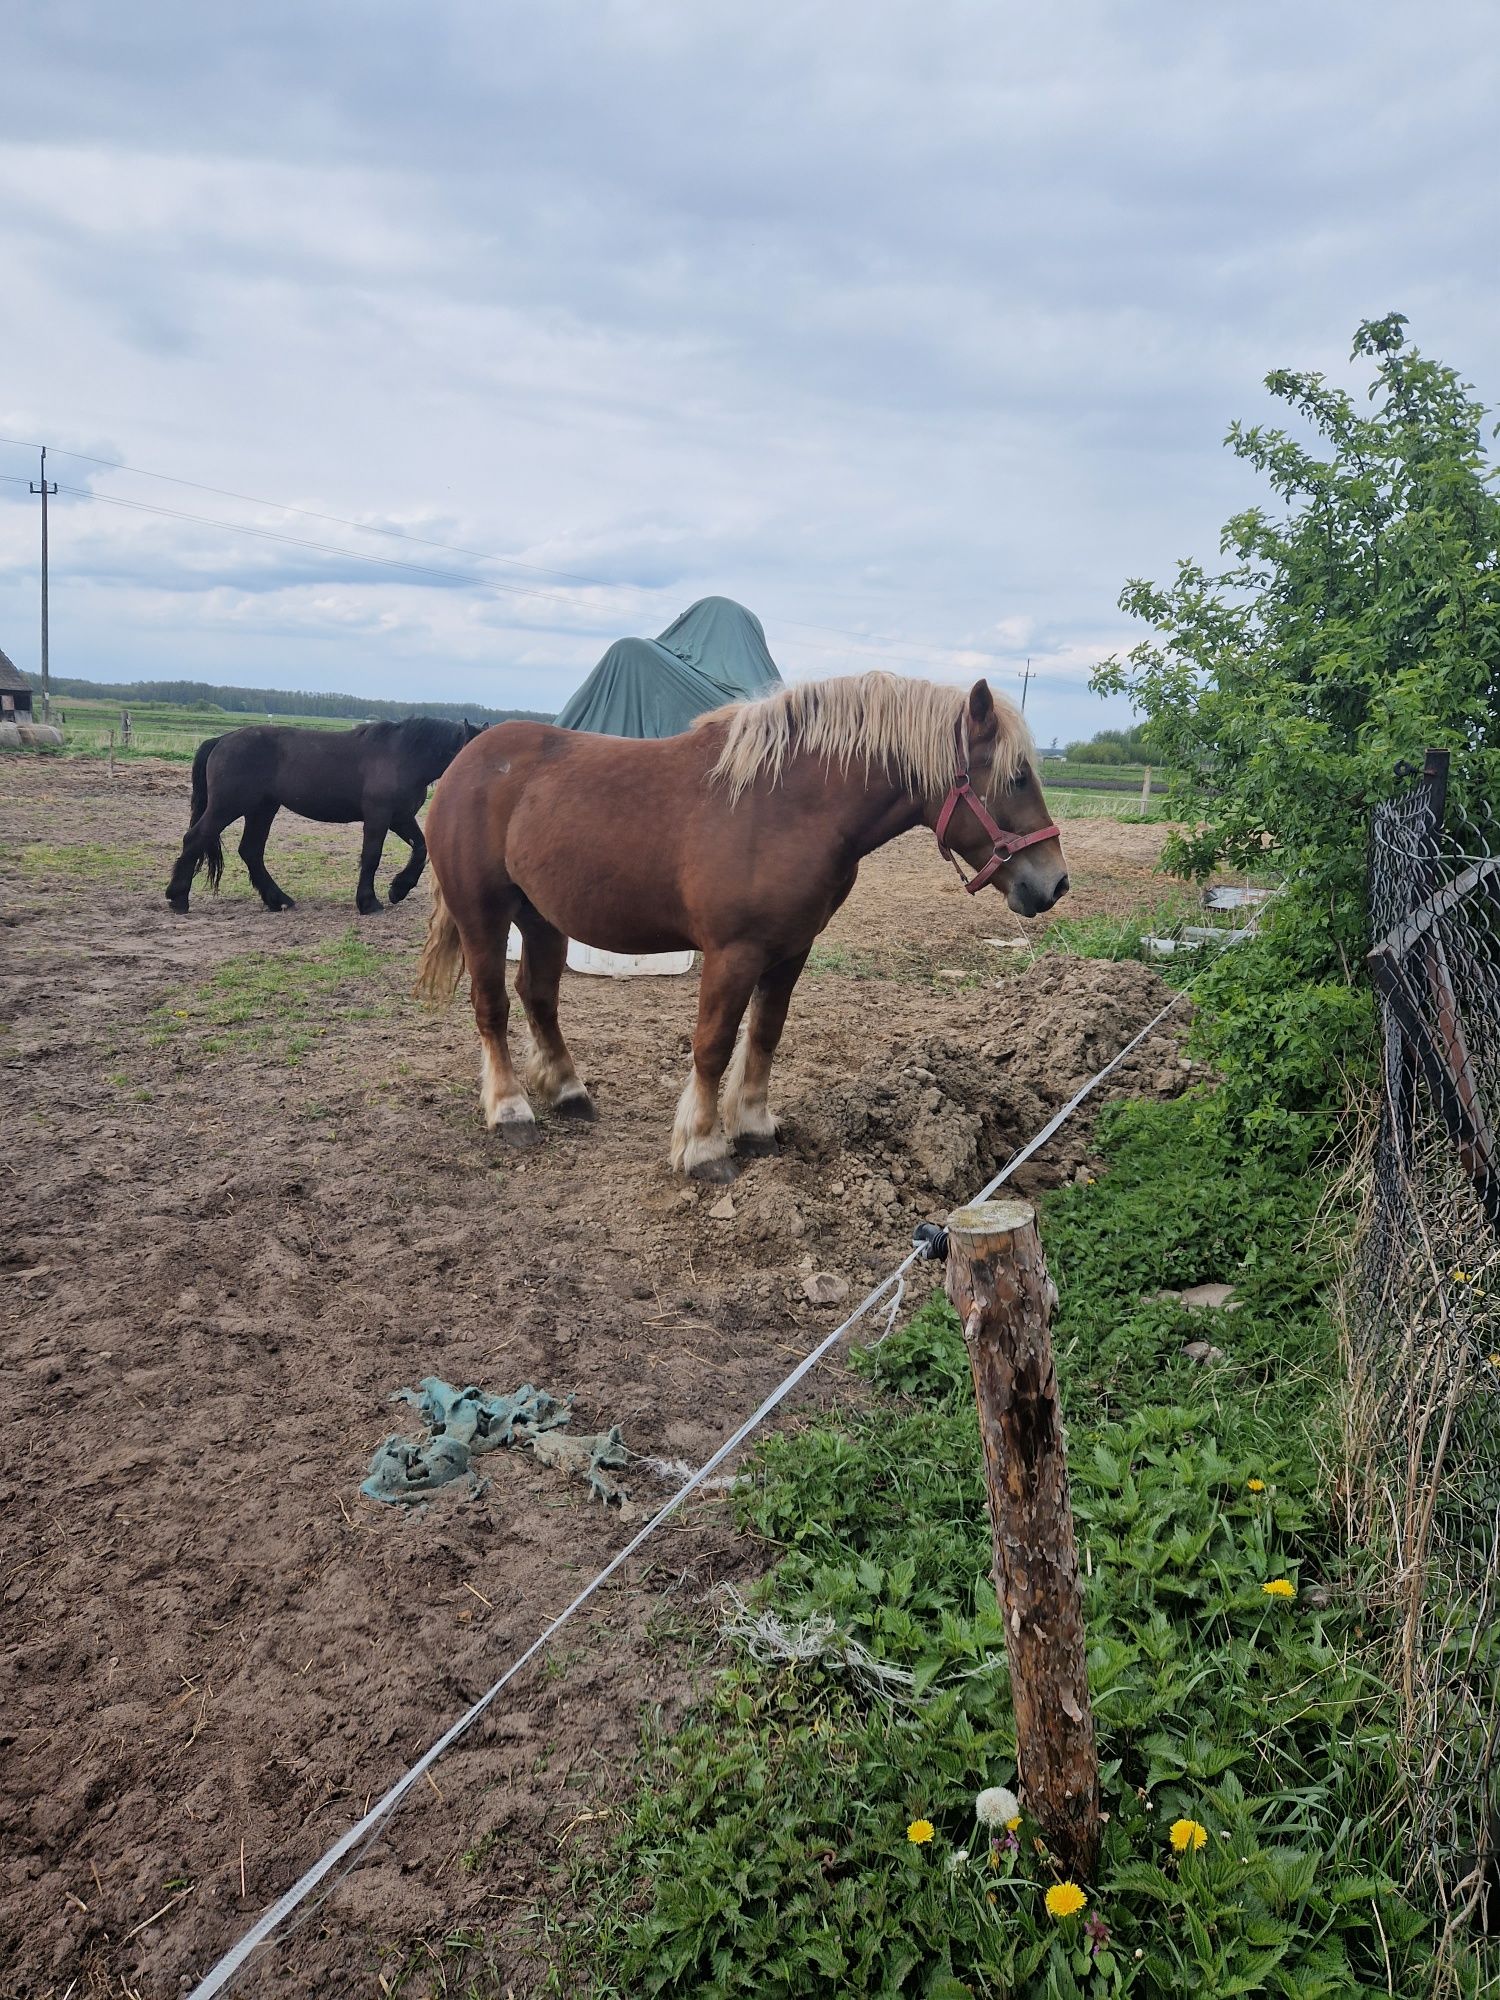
825 1288
722 1210
1203 1351
953 972
1209 1298
1317 1598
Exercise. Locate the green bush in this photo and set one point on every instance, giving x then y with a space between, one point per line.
768 1848
1355 629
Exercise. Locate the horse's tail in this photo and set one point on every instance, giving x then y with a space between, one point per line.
212 856
443 954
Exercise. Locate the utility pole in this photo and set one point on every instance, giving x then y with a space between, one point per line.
44 489
1025 678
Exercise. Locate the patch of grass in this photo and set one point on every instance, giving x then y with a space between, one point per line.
1116 937
278 1002
766 1851
87 861
840 958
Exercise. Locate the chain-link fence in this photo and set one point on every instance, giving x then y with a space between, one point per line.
1422 1322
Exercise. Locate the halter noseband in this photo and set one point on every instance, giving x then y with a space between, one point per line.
1003 846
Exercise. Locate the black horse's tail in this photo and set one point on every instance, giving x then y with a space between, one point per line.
212 856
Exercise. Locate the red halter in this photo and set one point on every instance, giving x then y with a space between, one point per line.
1003 846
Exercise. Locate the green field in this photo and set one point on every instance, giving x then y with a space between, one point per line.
157 729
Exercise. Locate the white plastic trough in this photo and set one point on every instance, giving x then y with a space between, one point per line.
617 965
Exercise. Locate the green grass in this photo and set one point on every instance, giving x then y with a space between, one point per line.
278 1003
766 1850
87 861
158 729
1117 937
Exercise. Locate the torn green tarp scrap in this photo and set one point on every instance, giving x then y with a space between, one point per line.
463 1423
483 1422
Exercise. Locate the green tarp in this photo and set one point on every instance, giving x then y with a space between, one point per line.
714 653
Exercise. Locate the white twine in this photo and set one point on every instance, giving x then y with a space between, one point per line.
221 1973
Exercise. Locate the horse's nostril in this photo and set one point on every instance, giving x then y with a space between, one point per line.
1061 889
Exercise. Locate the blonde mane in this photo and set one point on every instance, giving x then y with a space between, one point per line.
906 727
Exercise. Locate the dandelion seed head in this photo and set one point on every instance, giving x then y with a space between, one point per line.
997 1805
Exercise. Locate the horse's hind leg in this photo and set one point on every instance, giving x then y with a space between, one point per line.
747 1116
550 1073
253 854
403 883
199 844
700 1147
377 826
506 1110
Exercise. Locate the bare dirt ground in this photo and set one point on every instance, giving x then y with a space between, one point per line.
246 1197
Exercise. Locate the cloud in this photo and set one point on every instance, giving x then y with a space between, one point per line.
916 329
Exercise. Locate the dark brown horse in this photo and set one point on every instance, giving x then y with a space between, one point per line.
740 839
378 773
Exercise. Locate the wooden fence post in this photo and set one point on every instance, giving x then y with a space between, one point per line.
111 753
1146 792
998 1282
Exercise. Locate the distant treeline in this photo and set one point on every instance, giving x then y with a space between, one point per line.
1113 746
279 701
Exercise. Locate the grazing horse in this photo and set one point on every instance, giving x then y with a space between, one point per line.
378 773
740 839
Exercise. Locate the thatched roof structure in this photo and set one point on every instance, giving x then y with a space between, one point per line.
11 678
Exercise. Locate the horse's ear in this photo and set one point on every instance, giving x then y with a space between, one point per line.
981 709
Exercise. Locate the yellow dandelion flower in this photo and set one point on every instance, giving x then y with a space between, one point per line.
1462 1278
1495 1361
920 1832
1279 1586
1188 1833
1256 1485
1065 1899
1011 1825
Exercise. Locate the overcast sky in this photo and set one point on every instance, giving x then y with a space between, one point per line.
915 327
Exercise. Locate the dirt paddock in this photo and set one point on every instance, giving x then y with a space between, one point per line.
245 1196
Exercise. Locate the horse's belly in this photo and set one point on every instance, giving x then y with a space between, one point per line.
609 926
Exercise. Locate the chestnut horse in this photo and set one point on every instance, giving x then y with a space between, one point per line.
739 839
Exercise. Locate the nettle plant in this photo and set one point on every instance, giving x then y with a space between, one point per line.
1354 626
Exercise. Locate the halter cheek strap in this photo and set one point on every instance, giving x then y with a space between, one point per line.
1004 846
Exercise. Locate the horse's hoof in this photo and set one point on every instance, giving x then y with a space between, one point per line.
179 904
717 1171
370 909
520 1134
580 1106
398 892
758 1145
281 903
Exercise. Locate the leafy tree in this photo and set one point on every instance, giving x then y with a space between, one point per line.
1112 746
1353 627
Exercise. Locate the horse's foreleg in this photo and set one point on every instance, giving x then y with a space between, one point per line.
551 1074
253 854
747 1116
402 884
700 1148
506 1110
377 826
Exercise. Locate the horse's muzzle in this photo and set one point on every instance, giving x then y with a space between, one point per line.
1028 899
